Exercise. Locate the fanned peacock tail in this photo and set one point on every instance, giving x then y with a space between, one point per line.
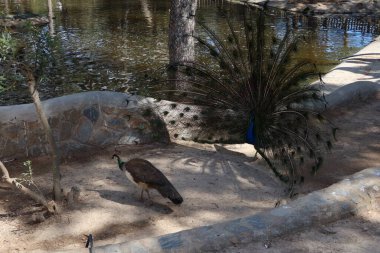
256 93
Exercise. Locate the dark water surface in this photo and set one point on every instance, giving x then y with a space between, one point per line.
107 45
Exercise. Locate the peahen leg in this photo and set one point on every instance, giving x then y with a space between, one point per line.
147 191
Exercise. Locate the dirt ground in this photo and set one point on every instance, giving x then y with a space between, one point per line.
217 183
215 186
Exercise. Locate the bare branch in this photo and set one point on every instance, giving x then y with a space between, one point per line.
12 182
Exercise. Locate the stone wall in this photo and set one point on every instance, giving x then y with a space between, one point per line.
102 118
79 122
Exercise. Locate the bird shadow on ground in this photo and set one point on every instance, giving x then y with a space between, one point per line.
121 198
223 150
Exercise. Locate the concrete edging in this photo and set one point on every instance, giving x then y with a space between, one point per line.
356 78
325 8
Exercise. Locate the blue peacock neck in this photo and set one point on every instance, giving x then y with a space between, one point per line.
250 135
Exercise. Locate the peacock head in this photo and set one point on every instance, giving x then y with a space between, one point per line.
119 162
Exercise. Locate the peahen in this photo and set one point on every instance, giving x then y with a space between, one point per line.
253 90
146 176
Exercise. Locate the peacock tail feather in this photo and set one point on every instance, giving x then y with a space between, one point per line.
254 92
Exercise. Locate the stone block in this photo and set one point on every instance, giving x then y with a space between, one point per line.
72 115
115 123
11 148
65 131
12 131
36 150
35 137
109 110
54 122
129 139
104 136
92 114
32 125
83 130
138 122
21 142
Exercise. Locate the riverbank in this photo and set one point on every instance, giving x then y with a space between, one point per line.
354 7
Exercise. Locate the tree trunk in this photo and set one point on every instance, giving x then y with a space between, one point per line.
181 42
6 8
49 134
51 18
146 12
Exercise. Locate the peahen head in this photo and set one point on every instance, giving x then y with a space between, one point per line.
119 161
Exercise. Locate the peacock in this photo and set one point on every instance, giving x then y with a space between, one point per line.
252 90
146 176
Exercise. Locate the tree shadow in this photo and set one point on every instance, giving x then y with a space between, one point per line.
122 198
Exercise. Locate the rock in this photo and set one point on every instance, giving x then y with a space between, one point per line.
37 217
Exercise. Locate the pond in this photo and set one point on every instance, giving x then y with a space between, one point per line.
109 45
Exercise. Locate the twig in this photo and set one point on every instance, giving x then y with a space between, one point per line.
90 243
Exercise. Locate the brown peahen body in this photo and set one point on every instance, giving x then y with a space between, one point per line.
146 176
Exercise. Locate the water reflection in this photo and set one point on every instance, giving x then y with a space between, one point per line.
109 44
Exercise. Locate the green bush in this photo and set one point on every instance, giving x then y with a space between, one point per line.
7 46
